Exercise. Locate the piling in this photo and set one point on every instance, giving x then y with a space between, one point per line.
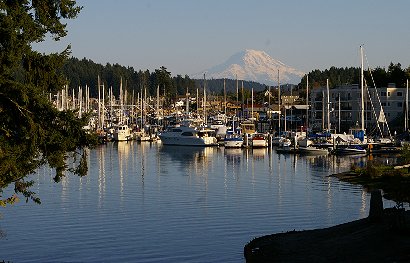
376 206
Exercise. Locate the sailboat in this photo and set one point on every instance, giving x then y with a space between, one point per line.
306 146
358 134
233 139
278 139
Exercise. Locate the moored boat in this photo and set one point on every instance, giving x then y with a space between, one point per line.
312 150
233 140
349 150
188 136
259 140
122 133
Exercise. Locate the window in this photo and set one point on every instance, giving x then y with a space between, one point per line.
383 94
187 134
384 104
399 104
399 93
388 93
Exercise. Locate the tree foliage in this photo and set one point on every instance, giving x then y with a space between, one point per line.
32 131
379 77
81 72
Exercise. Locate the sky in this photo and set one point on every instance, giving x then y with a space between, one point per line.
189 36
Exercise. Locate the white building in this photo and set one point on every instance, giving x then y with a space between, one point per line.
344 107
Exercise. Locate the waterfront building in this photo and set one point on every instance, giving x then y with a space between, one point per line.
344 105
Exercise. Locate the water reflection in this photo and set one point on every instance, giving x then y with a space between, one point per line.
185 154
172 199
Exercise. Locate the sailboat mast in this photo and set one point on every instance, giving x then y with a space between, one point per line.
225 97
328 104
103 107
362 86
279 103
99 103
157 109
323 110
243 101
307 103
406 121
339 112
205 121
252 105
237 91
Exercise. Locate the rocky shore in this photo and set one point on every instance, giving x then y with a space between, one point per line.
384 236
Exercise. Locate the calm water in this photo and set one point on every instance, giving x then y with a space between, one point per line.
145 202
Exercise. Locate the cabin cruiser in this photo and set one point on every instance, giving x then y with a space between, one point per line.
122 133
233 140
349 150
188 136
259 140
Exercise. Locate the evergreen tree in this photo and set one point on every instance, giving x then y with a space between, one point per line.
32 131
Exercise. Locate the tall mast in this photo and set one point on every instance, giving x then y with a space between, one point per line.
406 121
187 102
224 96
323 109
103 107
80 100
307 103
328 105
237 91
243 100
252 105
339 112
99 101
205 121
362 86
121 100
73 100
279 102
157 110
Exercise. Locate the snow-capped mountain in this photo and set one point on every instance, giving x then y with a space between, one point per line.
254 65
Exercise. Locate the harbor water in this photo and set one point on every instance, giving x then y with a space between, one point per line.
148 202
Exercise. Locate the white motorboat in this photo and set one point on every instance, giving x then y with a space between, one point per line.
122 133
285 146
233 140
259 140
312 150
188 136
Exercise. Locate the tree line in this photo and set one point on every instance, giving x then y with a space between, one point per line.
81 72
379 77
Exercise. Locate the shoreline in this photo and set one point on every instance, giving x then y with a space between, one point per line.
384 236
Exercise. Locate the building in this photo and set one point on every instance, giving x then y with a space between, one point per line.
341 110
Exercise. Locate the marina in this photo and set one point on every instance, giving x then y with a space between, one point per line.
173 147
149 202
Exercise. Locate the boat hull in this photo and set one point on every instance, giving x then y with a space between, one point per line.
233 143
312 151
349 151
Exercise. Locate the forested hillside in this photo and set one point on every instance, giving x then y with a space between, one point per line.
85 72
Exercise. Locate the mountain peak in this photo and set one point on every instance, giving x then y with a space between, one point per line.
255 65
